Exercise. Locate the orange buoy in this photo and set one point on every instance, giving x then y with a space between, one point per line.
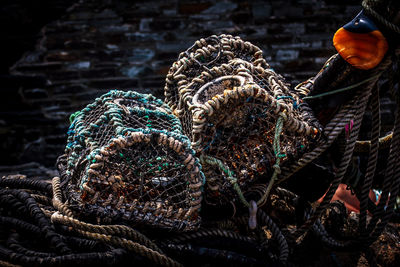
360 43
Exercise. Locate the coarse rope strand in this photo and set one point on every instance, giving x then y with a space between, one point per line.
7 264
360 108
344 89
391 186
391 182
372 159
363 146
368 6
55 241
282 242
147 252
112 235
206 233
109 233
357 115
120 230
333 128
105 233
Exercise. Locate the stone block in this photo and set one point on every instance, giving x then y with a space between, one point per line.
109 83
136 71
144 37
221 8
171 47
69 89
61 56
35 93
115 28
287 55
193 7
82 65
145 24
294 28
141 55
261 11
79 44
38 67
161 24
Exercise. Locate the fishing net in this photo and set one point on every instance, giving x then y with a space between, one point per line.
241 117
127 159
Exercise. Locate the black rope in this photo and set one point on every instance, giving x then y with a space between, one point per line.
42 221
283 245
207 254
38 185
108 258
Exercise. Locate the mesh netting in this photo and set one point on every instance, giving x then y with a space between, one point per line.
128 159
229 101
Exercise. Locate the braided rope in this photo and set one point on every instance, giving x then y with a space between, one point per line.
283 246
390 185
99 233
372 159
7 264
112 230
360 108
368 6
366 146
208 233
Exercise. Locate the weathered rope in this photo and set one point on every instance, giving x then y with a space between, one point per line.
112 230
368 6
283 245
366 146
360 107
344 89
202 233
230 175
372 159
154 256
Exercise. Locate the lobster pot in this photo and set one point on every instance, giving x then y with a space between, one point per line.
127 160
230 111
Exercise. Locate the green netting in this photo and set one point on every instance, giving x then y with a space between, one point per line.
128 159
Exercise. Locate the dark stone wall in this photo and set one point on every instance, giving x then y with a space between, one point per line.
98 45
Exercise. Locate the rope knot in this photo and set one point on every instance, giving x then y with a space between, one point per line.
277 169
283 114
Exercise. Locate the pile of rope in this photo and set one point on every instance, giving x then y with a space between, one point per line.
133 168
38 228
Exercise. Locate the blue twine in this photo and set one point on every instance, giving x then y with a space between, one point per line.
295 105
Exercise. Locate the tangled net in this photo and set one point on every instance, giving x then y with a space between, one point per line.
241 117
128 160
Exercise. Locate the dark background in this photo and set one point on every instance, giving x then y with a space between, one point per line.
59 55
